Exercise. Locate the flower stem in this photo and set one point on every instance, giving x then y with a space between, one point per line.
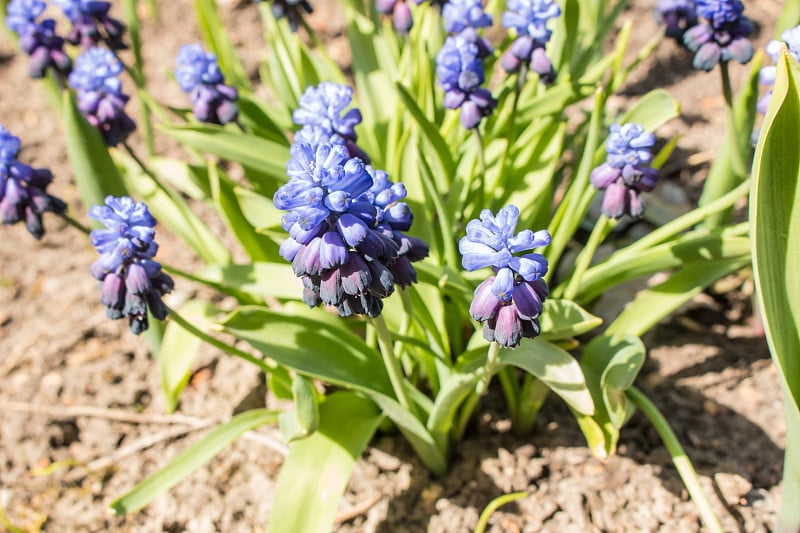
390 361
679 458
739 166
227 348
481 165
491 366
74 223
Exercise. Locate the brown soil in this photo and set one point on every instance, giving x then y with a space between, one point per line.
708 371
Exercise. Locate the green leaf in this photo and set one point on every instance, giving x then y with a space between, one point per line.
318 469
92 167
653 110
258 209
257 279
775 223
179 349
556 368
310 347
660 301
265 156
191 459
303 420
217 39
257 246
617 360
562 319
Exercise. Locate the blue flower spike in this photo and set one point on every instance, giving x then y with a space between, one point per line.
23 189
100 96
131 281
465 18
721 35
198 74
461 74
529 19
626 172
346 220
509 302
37 39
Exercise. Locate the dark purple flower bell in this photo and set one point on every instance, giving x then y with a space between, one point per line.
199 75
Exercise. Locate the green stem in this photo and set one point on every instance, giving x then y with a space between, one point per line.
510 385
491 366
481 387
481 165
494 505
390 361
139 162
75 224
739 166
679 458
600 231
227 348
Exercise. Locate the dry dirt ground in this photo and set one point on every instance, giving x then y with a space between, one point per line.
80 400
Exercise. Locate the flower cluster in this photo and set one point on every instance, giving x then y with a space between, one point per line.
131 281
100 96
464 18
23 189
199 75
91 23
626 172
721 35
291 9
767 74
677 15
461 73
509 302
37 39
321 112
345 221
529 19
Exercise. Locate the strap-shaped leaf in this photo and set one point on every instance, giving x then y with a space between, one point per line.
555 367
562 319
775 220
191 459
263 155
179 349
318 468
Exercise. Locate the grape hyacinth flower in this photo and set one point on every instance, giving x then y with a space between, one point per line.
461 74
131 281
344 248
37 39
677 15
291 9
91 24
23 189
324 107
626 173
766 75
199 75
100 96
721 36
465 17
509 302
529 19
